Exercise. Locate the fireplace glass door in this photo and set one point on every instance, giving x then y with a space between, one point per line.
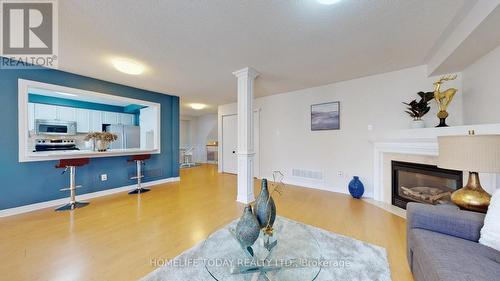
412 182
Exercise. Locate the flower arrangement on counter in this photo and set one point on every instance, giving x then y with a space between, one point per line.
101 140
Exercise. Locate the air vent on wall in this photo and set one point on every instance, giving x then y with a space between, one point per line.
308 174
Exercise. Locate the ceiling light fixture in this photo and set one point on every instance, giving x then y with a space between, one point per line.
67 94
328 2
197 106
128 66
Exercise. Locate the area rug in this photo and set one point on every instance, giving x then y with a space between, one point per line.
360 261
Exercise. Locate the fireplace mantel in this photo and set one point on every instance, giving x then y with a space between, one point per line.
421 142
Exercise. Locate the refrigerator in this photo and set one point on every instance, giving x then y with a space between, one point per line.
128 136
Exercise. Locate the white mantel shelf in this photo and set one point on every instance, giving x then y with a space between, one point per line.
431 134
72 154
418 142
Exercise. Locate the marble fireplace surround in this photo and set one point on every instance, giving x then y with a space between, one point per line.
419 146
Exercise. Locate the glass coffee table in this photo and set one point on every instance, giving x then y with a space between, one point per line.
294 255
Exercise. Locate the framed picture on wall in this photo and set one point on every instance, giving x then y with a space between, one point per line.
325 116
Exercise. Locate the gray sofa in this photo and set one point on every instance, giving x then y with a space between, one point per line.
442 245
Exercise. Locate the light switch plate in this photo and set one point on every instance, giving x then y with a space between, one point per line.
104 177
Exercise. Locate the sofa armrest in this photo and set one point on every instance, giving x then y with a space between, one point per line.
447 220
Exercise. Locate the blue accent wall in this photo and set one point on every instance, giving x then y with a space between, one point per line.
33 182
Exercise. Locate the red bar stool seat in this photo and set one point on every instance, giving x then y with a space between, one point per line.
139 161
71 164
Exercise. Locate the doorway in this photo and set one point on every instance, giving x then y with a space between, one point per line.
229 143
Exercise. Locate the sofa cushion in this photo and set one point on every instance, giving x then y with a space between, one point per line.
440 257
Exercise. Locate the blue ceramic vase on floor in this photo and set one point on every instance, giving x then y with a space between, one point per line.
265 209
356 187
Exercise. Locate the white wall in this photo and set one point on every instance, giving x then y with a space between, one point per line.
196 132
481 84
287 141
206 130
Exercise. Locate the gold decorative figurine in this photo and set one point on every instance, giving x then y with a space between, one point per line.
444 98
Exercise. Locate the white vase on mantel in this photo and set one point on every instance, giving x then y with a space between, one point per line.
417 124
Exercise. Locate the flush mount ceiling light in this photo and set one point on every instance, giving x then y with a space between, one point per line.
328 2
67 94
128 66
197 106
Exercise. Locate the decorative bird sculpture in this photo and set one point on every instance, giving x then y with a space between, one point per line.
444 98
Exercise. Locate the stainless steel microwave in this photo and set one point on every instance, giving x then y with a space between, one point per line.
55 127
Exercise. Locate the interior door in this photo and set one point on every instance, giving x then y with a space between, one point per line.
230 143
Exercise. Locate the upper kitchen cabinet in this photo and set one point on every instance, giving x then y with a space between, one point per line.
83 120
95 121
45 111
31 116
53 112
65 113
110 118
126 119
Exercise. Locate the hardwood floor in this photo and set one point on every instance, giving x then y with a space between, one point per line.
116 237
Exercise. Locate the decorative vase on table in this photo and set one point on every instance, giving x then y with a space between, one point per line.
102 145
356 187
265 209
247 229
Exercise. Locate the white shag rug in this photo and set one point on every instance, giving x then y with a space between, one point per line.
365 261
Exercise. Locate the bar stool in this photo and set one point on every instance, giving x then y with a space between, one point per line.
71 164
139 161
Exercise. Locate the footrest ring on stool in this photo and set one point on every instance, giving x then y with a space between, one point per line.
72 206
139 190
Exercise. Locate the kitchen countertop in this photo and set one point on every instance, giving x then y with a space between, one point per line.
69 154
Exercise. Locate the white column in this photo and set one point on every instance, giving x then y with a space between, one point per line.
246 154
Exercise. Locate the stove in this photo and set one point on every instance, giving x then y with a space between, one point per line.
55 144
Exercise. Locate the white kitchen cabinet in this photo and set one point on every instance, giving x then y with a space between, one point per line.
45 111
65 113
31 116
126 119
82 120
95 121
110 118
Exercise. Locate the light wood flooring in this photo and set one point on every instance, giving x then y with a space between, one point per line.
115 237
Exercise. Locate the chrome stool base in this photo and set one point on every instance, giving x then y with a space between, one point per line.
72 206
139 190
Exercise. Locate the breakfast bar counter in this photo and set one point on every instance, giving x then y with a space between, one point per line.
70 154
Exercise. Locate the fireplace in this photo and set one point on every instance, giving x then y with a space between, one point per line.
412 182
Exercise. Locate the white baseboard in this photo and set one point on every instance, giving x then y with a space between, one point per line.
319 186
86 196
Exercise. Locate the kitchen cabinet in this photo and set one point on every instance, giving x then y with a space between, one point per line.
126 119
45 111
31 116
82 120
95 120
110 118
87 120
65 113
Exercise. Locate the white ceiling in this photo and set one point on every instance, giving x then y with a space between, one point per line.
191 47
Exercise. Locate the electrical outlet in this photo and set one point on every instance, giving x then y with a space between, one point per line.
340 174
104 177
